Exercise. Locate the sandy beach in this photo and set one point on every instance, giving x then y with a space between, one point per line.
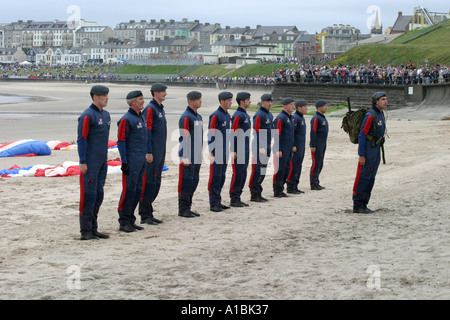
309 246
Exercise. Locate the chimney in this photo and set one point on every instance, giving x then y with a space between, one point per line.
400 14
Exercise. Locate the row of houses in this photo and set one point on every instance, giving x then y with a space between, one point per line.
143 40
136 40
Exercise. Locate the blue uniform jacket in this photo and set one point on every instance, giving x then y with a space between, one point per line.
299 131
93 135
132 138
364 145
262 129
319 131
219 125
155 118
284 126
191 136
241 128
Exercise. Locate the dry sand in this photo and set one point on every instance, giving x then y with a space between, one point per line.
309 246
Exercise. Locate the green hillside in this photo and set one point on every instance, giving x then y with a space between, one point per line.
432 44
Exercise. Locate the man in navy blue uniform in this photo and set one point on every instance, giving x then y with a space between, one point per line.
155 118
191 147
240 148
219 144
299 143
370 141
93 137
318 143
283 146
132 144
261 147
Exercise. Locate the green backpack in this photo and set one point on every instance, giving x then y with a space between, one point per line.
352 123
353 120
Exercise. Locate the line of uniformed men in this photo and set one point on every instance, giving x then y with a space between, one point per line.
142 136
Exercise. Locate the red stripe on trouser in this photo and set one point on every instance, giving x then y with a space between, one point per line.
144 182
124 191
180 179
290 171
253 172
234 175
211 174
275 166
81 193
358 175
314 162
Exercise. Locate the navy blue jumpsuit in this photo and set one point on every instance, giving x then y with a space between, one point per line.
284 142
262 138
93 138
241 131
191 147
365 176
298 156
219 144
155 118
132 144
319 135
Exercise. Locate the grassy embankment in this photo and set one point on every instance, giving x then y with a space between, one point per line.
432 43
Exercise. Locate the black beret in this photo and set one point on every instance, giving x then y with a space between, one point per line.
300 103
99 90
287 101
134 94
266 97
225 95
194 95
320 103
158 87
243 96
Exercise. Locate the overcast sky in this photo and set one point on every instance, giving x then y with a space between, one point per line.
311 16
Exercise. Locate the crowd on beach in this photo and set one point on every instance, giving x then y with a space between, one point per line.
405 74
362 74
55 72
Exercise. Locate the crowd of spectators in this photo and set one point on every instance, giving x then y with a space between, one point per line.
304 73
55 72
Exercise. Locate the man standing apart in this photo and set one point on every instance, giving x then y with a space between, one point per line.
318 143
240 155
93 136
370 141
191 147
132 144
219 125
299 143
261 147
284 146
155 118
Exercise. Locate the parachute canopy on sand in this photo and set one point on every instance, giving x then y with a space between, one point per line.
25 148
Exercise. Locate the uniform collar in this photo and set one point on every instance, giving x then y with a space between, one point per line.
286 113
264 109
157 104
241 109
221 109
299 114
191 110
320 114
93 106
134 112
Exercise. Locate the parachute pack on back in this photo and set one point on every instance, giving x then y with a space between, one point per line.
352 122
